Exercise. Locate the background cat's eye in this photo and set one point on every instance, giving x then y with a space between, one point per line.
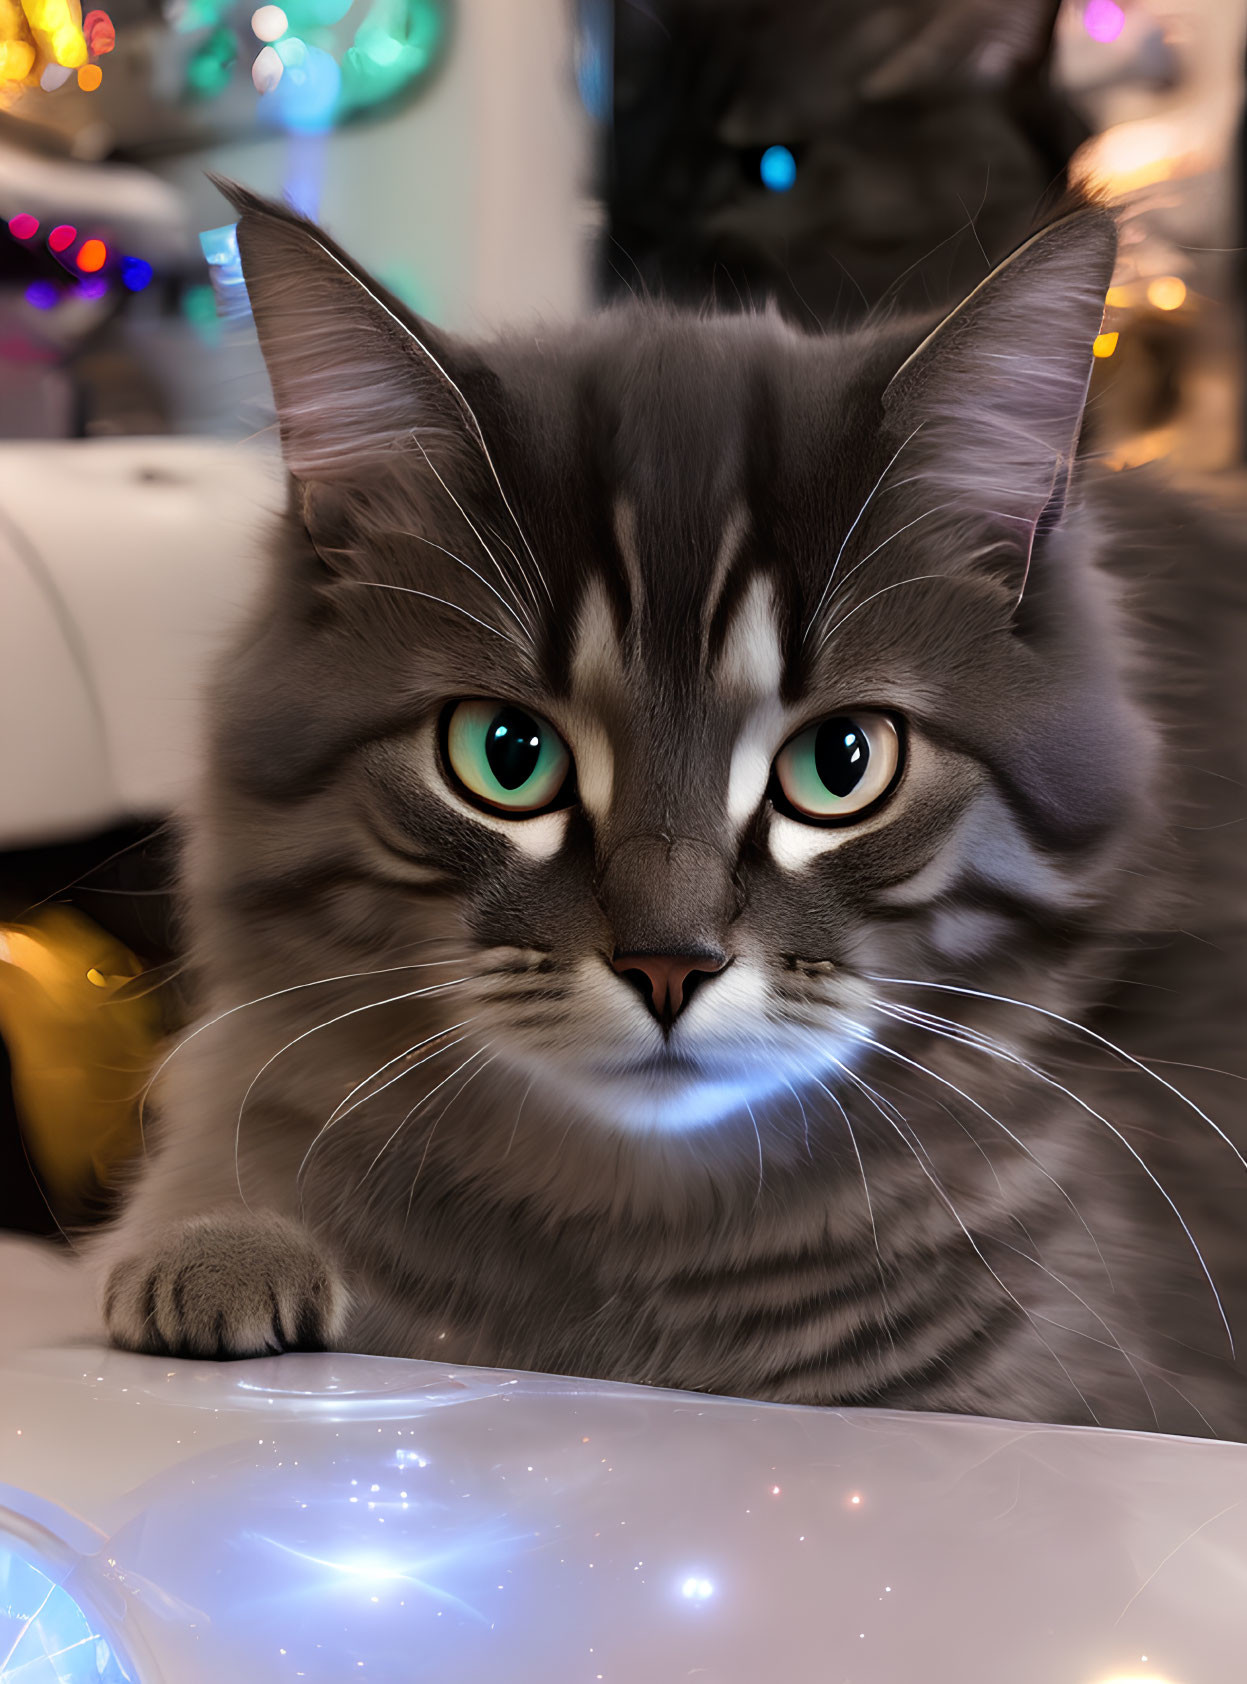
506 758
773 167
838 769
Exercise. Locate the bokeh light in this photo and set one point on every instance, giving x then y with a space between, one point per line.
42 294
1166 292
23 226
269 23
92 256
212 63
136 273
1104 344
62 236
267 71
1103 20
304 100
90 77
100 35
93 286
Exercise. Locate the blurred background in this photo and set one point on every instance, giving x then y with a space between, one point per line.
492 162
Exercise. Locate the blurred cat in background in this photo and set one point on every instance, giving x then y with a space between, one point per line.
829 154
716 866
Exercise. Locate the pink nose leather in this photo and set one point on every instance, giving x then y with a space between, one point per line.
667 974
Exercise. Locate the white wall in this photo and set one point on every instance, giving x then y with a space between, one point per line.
475 190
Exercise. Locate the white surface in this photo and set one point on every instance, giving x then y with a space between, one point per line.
331 1518
124 565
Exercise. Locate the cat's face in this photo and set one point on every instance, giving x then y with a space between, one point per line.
678 667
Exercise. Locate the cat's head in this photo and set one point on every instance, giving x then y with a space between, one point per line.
694 673
826 153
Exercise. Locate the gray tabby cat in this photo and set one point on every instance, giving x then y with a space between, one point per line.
686 841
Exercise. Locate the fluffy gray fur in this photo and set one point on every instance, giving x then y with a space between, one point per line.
938 1135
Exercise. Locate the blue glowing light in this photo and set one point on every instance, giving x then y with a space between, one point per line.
778 169
136 274
697 1589
42 294
305 99
46 1636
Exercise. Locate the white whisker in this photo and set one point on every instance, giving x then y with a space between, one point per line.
409 590
942 1194
372 1005
818 606
1011 1057
914 1064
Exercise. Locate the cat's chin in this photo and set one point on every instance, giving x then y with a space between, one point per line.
671 1094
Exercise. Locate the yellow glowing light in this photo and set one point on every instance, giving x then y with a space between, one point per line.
1138 154
37 36
1135 1678
1104 344
90 77
1117 298
1166 292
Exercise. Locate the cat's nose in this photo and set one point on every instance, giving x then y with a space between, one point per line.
665 981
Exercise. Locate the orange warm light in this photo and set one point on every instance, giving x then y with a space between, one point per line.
1166 292
1104 344
90 77
92 256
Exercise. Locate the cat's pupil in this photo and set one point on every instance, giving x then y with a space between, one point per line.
512 747
841 755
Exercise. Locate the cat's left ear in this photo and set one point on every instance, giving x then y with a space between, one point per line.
988 42
989 408
356 376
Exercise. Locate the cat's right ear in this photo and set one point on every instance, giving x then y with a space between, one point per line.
356 377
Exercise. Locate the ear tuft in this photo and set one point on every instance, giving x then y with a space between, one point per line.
355 375
991 403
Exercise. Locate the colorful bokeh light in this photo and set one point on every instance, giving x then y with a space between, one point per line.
93 256
62 236
1103 20
305 100
136 273
23 226
92 286
100 35
90 77
42 294
209 70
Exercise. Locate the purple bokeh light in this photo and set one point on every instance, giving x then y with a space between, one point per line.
1103 20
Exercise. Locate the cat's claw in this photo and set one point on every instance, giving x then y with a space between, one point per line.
227 1285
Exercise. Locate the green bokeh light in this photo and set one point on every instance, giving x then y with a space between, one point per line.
212 64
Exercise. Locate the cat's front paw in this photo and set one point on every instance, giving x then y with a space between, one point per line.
227 1285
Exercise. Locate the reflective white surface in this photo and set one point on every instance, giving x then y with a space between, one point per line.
332 1518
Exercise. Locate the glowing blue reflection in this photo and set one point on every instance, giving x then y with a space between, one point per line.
46 1636
778 169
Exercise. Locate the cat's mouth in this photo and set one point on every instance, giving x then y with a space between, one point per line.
665 1065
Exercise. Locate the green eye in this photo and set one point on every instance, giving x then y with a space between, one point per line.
506 758
839 767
